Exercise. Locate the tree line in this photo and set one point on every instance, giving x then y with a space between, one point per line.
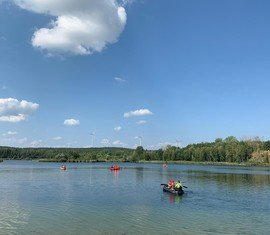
229 150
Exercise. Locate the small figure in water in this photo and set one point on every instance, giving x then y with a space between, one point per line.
178 186
63 167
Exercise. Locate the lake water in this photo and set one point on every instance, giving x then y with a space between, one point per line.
38 198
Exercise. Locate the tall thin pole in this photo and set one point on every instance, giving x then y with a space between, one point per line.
93 135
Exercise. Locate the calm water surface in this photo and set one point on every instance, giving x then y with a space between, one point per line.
38 198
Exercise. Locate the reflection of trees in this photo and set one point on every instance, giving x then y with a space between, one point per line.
139 174
162 172
234 180
228 179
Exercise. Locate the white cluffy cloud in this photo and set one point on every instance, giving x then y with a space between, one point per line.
138 112
118 128
71 122
118 142
57 138
141 122
166 144
13 141
35 143
10 133
125 2
13 110
119 79
80 27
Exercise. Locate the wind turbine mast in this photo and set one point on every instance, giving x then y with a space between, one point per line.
93 137
140 138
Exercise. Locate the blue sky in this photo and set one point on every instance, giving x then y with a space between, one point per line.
184 70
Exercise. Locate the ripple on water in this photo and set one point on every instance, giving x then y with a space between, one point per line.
13 217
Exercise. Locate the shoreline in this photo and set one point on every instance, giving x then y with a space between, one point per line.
243 164
163 162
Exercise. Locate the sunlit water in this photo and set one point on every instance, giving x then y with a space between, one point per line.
38 198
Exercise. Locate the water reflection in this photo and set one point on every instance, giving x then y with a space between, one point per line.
115 174
175 198
232 180
139 174
171 198
236 179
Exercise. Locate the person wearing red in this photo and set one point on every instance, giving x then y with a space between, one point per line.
171 183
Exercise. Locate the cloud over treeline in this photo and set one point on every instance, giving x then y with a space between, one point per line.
13 110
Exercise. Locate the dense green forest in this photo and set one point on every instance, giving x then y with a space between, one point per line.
231 150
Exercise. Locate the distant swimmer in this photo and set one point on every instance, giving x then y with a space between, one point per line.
63 168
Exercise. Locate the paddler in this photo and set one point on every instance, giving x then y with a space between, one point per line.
171 184
178 185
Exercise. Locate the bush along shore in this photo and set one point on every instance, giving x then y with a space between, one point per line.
229 151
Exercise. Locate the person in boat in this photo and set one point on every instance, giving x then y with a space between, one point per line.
171 184
115 167
178 186
63 167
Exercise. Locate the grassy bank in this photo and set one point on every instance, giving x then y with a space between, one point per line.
76 160
161 162
59 160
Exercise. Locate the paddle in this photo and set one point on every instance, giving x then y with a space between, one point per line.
167 185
